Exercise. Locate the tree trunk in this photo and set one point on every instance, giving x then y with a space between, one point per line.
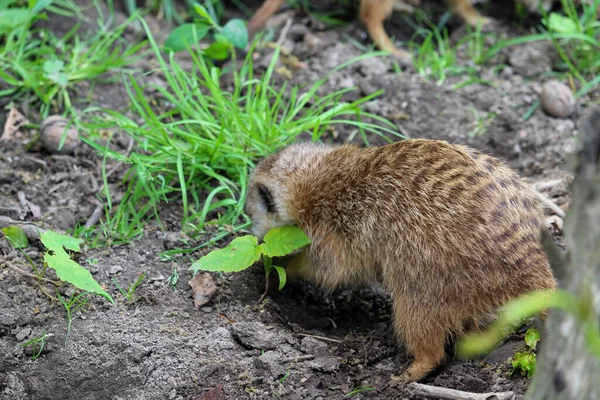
566 368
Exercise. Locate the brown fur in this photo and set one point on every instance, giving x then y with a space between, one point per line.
450 232
372 14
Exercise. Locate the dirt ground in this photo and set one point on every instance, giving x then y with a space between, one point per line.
161 347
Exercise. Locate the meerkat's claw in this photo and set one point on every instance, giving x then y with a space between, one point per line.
404 58
400 380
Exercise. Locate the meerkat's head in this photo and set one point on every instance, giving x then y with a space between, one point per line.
268 199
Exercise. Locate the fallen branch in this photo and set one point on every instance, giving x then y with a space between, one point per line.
452 394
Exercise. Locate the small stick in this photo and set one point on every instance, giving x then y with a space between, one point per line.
284 31
298 358
451 394
95 217
320 337
30 275
127 153
551 205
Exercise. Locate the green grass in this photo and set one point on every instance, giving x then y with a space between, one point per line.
200 149
574 33
36 66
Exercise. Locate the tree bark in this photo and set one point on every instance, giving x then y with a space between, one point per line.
566 368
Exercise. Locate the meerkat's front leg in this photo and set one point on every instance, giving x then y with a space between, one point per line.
468 13
401 6
260 17
372 15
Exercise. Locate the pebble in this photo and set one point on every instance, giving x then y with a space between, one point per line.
557 99
313 346
51 132
269 363
530 59
325 364
115 269
255 335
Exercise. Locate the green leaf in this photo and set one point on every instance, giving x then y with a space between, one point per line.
56 241
16 237
35 6
532 336
13 18
241 253
185 35
282 276
526 361
559 23
53 70
66 269
282 241
235 31
203 13
218 50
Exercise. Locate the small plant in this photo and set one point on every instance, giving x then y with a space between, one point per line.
128 294
359 390
66 269
232 34
58 259
244 251
91 261
173 278
37 344
481 123
74 303
525 360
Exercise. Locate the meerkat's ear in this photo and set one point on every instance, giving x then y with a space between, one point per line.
266 197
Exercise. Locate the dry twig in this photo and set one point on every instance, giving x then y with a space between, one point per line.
298 358
320 337
30 275
452 394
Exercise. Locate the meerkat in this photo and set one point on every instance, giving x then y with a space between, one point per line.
450 232
373 13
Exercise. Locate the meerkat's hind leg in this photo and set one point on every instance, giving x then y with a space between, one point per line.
424 338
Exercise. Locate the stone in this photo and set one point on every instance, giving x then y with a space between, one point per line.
313 346
557 99
255 335
530 59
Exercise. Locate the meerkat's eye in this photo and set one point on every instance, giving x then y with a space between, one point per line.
267 198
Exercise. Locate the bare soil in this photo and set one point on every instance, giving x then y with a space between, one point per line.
161 347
